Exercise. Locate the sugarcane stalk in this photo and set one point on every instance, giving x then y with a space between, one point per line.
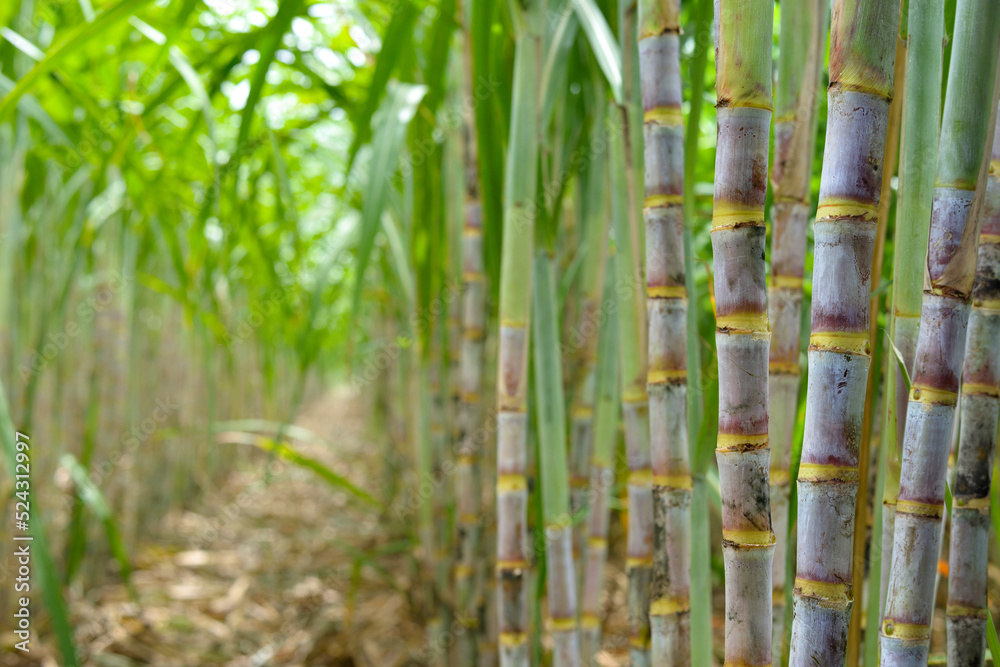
666 308
635 410
469 381
861 508
743 83
442 507
420 395
586 334
515 309
861 85
921 115
979 411
554 467
467 475
800 59
963 157
602 471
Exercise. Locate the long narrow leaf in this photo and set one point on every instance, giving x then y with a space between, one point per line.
289 454
397 39
275 30
603 44
395 116
69 44
96 503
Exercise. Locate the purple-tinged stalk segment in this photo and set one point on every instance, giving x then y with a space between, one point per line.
520 190
963 158
979 410
666 307
799 62
861 84
602 474
468 571
743 81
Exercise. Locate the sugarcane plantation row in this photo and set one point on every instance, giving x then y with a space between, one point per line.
462 333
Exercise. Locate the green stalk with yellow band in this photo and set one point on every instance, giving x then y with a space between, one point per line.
554 466
520 202
634 401
743 83
861 85
921 120
963 160
666 308
583 339
979 411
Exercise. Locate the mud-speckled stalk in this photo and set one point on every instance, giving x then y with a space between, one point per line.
861 84
515 310
666 309
743 82
635 409
602 471
963 159
979 411
921 116
795 118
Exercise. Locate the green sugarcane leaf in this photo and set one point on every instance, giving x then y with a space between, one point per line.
88 10
435 73
396 41
70 43
603 44
400 255
30 107
394 118
557 60
22 44
899 361
268 47
991 636
96 503
284 451
191 77
147 31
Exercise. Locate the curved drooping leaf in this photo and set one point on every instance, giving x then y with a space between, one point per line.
70 43
395 115
603 44
96 503
396 40
30 107
292 456
269 45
